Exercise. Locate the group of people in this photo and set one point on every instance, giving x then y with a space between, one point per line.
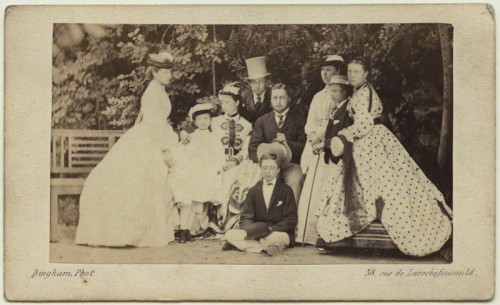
262 174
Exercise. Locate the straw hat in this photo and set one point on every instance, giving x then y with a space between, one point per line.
256 67
337 147
333 59
200 109
163 60
339 79
281 150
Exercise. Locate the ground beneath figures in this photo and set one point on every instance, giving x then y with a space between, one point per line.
208 251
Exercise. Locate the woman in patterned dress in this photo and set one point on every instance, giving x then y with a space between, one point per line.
234 133
413 212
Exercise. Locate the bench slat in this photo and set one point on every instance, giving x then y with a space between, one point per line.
76 145
100 155
90 149
77 142
86 132
54 154
70 158
61 150
76 170
86 162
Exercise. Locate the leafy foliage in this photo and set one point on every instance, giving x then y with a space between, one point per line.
68 210
99 71
407 74
98 83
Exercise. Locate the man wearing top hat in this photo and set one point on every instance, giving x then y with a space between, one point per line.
284 126
256 101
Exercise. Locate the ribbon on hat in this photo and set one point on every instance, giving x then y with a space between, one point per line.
159 64
163 60
200 109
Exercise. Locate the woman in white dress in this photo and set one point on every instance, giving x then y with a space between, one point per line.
311 162
413 211
310 198
318 115
126 199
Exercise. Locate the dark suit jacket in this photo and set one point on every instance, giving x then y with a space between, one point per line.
266 128
247 105
282 218
332 130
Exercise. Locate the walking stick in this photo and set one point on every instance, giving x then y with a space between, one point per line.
310 195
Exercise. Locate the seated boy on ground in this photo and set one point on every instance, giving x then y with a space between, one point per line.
269 215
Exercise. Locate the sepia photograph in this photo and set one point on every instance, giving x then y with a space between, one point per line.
249 152
252 144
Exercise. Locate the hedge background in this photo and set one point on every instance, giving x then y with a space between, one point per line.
98 72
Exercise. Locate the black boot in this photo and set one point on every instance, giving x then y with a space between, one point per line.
189 237
209 232
212 214
183 237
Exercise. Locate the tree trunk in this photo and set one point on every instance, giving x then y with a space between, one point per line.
214 88
445 143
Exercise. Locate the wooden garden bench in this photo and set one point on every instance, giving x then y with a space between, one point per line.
74 153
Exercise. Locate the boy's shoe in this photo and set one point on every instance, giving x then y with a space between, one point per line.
227 247
273 250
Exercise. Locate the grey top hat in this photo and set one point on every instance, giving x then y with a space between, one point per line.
256 67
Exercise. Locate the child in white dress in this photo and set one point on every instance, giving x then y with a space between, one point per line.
197 174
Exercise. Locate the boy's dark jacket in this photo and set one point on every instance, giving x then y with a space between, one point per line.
282 213
340 120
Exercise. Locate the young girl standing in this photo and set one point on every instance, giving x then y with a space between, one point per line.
197 174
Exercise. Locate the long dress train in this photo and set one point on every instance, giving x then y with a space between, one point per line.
414 212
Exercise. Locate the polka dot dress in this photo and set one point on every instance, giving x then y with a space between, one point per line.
384 170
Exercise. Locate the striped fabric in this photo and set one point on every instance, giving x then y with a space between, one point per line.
373 236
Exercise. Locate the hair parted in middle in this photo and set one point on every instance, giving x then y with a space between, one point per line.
269 157
363 62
